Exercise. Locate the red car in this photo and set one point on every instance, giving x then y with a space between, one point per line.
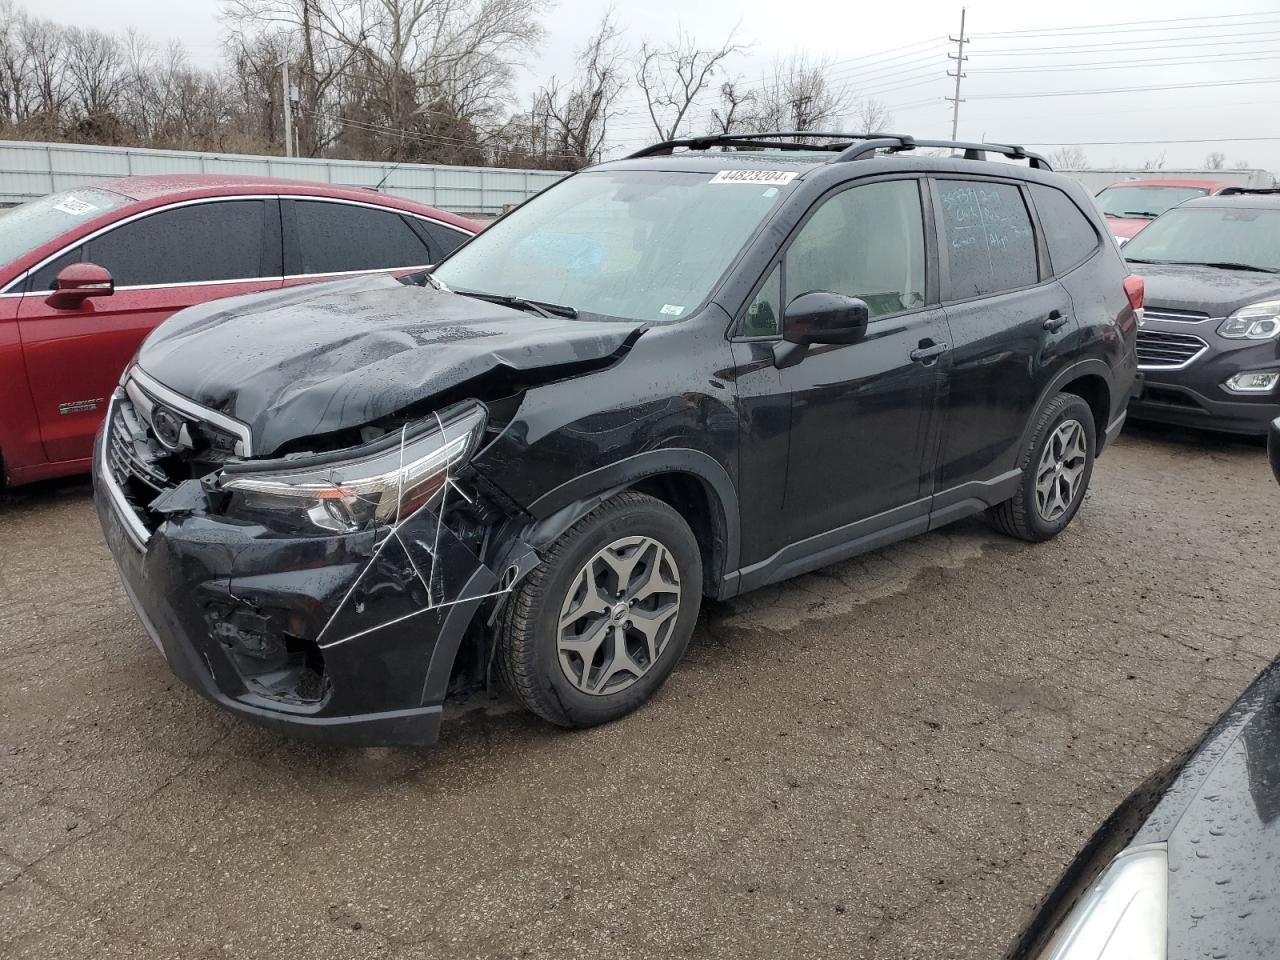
1131 204
88 273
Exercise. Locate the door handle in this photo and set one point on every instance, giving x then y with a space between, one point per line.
927 350
1057 320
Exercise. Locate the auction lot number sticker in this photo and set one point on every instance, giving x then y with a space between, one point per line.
775 177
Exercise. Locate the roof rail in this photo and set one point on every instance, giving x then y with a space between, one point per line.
851 146
972 151
1236 191
771 140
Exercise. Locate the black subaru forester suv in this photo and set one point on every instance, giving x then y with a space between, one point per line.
713 365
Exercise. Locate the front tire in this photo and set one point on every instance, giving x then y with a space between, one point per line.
602 622
1057 465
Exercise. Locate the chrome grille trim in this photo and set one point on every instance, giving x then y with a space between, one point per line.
133 525
1177 316
158 391
1161 350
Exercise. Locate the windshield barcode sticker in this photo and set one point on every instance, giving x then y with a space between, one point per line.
75 207
754 176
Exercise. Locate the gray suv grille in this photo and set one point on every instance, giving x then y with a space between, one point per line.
1158 350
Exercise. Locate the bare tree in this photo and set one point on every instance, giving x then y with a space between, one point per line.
799 96
872 116
410 79
672 76
1155 163
1069 158
735 112
1242 164
1215 160
576 118
46 46
94 61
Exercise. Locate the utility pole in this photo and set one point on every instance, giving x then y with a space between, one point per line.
287 101
959 58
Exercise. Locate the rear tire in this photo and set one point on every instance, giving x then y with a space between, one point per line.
1056 465
602 622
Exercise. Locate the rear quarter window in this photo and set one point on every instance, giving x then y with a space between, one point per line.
345 237
988 238
441 239
1068 234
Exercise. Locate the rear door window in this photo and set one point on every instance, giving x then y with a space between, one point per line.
344 237
1068 233
987 237
197 243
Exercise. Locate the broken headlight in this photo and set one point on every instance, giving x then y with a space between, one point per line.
354 489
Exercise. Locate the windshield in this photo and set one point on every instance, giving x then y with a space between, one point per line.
1211 235
26 227
1144 201
634 244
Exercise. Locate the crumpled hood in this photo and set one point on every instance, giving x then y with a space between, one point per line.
319 358
1212 290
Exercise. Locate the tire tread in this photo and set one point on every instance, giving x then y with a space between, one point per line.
517 641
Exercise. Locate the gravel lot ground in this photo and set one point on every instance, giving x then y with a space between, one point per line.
890 758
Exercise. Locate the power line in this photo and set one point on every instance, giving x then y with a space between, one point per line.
1263 20
1132 110
1140 143
1163 86
1126 65
1127 23
1137 46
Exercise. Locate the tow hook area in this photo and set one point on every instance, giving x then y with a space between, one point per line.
272 662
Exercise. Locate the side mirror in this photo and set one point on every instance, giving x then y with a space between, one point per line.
821 317
79 281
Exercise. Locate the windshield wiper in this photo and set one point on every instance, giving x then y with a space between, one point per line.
1145 214
1231 265
1140 260
540 307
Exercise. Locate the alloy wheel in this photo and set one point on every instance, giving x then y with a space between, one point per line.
619 615
1058 477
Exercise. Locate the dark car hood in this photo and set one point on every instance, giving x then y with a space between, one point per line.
315 359
1211 290
1221 820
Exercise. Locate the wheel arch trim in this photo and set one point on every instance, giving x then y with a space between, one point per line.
560 508
1082 368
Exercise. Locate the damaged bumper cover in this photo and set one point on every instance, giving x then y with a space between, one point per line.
343 635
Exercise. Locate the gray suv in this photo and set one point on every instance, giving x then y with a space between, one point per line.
1209 346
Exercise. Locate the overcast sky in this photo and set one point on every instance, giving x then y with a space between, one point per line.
897 54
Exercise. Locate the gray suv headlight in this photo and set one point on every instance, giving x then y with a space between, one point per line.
1258 321
358 488
1123 916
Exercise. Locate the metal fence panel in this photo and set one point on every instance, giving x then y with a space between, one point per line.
29 170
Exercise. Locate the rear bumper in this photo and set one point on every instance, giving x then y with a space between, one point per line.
212 595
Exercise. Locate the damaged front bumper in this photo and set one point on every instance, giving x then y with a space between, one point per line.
343 637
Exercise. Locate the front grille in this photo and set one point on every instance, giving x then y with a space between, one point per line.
1158 350
135 460
1174 316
